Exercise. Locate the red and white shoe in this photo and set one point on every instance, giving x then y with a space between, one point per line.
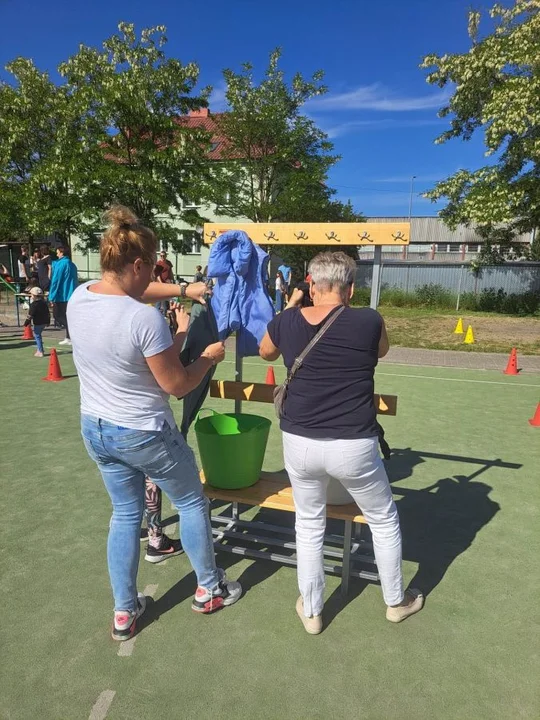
208 601
125 621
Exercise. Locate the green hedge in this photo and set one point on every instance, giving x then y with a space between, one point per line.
438 298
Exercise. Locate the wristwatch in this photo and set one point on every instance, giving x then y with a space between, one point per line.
183 288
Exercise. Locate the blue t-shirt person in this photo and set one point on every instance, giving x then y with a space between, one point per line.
286 272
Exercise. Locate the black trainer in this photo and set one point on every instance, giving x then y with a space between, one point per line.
167 549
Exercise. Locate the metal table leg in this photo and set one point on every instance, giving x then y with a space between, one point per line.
346 567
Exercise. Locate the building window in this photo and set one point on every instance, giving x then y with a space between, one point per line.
191 202
193 242
454 247
474 248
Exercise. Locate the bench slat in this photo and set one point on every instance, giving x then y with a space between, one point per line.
273 491
260 392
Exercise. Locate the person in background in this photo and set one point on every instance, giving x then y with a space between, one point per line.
39 317
64 282
33 282
163 273
280 292
4 273
167 274
286 271
160 546
207 280
128 366
23 264
43 267
198 277
329 426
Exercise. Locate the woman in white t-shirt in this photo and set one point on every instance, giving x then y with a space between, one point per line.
128 365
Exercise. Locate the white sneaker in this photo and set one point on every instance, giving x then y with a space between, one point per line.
65 342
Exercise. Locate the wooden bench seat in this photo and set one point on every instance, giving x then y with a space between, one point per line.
273 491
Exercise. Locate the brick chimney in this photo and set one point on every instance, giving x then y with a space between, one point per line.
201 112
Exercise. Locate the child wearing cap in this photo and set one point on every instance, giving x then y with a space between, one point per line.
39 316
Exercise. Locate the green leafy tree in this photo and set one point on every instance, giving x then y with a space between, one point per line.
496 91
43 167
146 158
275 159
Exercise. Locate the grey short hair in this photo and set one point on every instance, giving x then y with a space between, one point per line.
333 271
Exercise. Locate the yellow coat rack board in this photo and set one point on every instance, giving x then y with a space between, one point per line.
396 233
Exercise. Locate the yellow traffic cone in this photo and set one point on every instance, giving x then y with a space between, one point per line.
459 328
469 336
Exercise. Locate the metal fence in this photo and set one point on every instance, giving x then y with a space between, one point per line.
458 278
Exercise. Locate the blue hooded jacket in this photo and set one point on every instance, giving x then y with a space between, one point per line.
64 280
240 301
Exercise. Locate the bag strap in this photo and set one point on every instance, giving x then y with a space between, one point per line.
300 359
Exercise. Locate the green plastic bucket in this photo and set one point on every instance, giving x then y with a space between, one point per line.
232 448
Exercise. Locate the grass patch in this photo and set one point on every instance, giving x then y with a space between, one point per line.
434 329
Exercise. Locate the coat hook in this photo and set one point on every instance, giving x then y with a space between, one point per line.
270 235
212 235
398 236
365 236
332 236
301 235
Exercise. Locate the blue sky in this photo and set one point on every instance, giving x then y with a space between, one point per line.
380 112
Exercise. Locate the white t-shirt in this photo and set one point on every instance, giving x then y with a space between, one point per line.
112 335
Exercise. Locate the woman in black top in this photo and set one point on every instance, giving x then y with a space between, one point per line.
330 430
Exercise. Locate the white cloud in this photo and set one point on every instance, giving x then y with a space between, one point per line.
345 128
397 179
378 97
217 100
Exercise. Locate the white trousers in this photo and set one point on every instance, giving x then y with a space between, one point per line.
359 468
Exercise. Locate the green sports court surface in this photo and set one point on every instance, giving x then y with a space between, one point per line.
466 475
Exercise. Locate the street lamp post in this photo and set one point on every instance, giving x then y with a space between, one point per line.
413 178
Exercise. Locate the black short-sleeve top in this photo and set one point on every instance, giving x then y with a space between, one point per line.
331 395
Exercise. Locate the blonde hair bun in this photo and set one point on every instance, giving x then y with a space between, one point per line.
118 215
125 240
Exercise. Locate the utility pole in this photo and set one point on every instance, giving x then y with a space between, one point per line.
413 178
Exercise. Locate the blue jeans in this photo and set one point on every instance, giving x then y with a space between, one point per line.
38 329
124 458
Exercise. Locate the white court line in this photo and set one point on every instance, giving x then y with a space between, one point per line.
463 380
126 648
102 705
432 377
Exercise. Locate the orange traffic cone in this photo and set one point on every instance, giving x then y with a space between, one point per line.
270 377
28 334
55 374
535 421
512 368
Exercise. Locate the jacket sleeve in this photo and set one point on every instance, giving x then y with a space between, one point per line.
55 282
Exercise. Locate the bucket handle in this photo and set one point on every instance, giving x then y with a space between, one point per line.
208 410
